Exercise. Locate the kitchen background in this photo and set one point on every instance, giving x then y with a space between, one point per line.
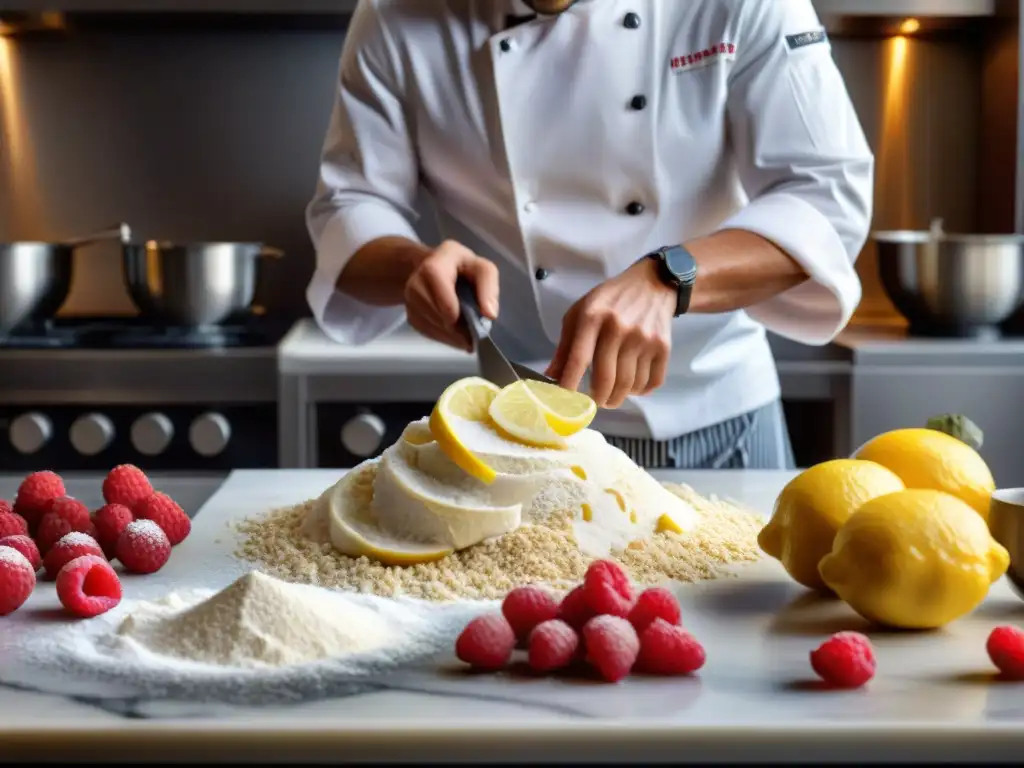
206 126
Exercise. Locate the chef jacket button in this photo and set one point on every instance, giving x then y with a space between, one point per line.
631 21
541 274
638 102
505 45
635 208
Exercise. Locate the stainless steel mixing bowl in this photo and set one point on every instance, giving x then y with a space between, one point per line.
952 285
193 284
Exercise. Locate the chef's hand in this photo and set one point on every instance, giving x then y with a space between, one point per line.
430 300
622 330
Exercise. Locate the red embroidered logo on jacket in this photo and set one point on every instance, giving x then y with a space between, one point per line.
703 57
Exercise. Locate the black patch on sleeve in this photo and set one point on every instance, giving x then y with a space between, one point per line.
804 39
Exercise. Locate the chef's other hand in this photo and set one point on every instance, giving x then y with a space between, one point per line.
622 330
430 300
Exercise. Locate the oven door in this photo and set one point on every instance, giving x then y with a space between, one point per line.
347 434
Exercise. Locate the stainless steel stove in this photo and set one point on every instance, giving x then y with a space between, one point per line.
80 394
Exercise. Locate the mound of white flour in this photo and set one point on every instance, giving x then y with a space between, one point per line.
258 641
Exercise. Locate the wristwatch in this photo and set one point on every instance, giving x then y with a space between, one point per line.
676 268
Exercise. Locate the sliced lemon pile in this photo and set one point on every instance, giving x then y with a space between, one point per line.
354 530
540 414
467 399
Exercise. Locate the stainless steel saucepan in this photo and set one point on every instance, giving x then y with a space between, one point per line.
193 284
950 284
35 277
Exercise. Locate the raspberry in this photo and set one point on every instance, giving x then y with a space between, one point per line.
72 510
52 528
487 642
87 586
6 507
667 649
35 492
526 607
574 610
110 522
1005 646
654 603
845 660
612 646
143 547
17 580
165 512
553 645
12 524
26 546
126 484
607 589
69 547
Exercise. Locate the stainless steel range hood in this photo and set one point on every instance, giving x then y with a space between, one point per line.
831 8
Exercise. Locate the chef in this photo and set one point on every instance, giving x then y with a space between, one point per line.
636 188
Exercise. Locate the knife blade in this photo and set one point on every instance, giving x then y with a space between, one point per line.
494 366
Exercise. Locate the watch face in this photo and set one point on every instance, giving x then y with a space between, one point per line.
681 264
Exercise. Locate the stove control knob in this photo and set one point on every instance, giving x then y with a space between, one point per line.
209 434
152 433
91 434
29 432
363 435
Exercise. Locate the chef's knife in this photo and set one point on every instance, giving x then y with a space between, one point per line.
494 366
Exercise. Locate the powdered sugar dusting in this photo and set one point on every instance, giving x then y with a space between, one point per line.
76 539
14 557
146 530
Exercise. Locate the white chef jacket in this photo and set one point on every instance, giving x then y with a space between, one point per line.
531 144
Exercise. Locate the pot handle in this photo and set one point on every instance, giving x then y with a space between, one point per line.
120 231
270 252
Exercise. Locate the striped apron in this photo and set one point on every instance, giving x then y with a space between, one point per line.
758 439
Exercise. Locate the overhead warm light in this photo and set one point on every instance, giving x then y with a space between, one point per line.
909 26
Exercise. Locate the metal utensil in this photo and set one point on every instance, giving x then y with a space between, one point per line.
193 284
494 366
35 277
952 285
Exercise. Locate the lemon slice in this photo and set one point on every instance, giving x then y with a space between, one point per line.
468 400
354 530
518 413
567 412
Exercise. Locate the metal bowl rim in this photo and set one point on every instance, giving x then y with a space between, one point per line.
918 237
42 243
170 244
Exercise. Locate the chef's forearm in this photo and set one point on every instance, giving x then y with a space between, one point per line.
738 269
378 271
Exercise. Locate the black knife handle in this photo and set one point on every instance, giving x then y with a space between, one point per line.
466 293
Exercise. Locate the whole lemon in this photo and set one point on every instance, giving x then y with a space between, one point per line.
927 458
813 506
914 559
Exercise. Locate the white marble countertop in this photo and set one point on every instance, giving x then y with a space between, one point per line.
934 697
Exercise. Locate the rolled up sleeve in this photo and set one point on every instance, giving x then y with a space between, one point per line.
368 179
804 163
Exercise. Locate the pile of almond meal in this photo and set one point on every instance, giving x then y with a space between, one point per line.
532 554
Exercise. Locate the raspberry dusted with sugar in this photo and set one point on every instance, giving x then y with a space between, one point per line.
35 492
69 547
654 603
143 547
668 649
553 645
110 522
52 528
526 607
574 609
487 642
17 580
607 589
88 586
26 546
1005 646
12 524
126 484
72 510
612 646
165 512
845 660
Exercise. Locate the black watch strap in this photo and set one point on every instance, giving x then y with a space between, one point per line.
678 269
